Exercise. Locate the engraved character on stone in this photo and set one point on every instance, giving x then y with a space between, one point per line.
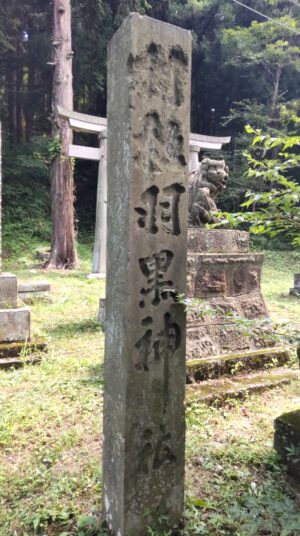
160 209
154 269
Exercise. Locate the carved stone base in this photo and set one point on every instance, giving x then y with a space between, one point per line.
8 291
14 324
227 287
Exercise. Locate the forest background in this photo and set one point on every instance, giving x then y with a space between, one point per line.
246 70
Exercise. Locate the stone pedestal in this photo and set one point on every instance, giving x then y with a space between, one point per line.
15 324
14 321
8 291
295 290
226 278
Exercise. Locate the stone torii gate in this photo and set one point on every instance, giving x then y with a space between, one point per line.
98 125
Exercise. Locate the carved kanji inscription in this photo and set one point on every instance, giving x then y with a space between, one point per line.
160 209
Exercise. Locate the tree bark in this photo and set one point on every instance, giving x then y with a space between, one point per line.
12 113
29 109
274 99
19 102
63 245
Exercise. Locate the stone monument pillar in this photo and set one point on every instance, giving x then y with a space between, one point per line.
295 290
149 66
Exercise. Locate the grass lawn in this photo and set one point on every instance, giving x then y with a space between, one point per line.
51 422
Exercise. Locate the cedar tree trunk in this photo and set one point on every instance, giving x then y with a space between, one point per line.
63 245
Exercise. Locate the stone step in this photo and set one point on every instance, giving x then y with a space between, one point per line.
28 292
17 354
18 362
198 370
220 390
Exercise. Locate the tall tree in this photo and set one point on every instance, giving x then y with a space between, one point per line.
63 245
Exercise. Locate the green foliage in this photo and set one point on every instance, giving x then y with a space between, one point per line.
236 59
26 199
54 147
276 210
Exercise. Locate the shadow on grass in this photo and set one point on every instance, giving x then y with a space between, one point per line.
96 375
70 329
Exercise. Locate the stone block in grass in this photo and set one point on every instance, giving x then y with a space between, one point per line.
287 441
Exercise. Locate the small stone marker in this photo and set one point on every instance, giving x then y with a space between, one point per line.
148 153
8 291
295 291
33 290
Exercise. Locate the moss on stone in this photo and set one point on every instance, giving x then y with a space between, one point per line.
220 390
9 349
292 419
249 353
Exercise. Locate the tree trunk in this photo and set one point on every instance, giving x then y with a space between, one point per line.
29 109
12 113
19 102
274 99
63 245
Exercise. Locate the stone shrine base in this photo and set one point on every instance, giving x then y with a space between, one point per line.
228 304
230 342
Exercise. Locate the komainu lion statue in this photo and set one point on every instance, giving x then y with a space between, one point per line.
205 183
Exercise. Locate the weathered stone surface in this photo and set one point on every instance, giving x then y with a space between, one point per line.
14 349
34 286
8 291
101 312
199 370
223 274
31 297
14 324
28 292
219 391
205 183
287 441
18 362
148 135
217 241
225 287
295 290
